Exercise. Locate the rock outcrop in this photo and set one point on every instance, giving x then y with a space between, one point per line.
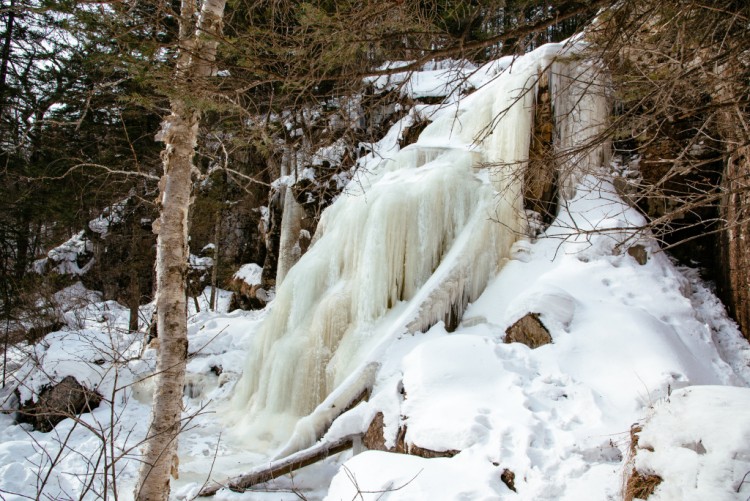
68 398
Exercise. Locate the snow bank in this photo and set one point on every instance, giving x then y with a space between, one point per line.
698 442
434 79
250 273
625 337
110 216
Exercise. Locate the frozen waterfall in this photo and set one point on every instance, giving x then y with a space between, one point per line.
412 244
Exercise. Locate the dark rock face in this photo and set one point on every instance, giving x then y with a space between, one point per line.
734 258
528 330
540 177
373 439
43 327
411 134
68 398
123 268
416 450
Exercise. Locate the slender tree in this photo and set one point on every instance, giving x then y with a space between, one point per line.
195 63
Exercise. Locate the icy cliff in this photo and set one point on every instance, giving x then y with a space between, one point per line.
414 239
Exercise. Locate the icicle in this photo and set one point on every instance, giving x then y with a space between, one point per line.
291 226
581 109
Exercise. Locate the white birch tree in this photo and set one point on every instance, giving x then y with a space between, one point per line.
198 41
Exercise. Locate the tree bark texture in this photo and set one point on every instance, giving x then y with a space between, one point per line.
179 134
735 203
735 210
134 286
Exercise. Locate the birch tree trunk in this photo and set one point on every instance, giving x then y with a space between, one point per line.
197 54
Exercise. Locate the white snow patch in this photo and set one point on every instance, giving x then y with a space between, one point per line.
250 273
109 216
200 263
698 441
64 258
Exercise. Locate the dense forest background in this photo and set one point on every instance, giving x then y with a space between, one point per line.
84 87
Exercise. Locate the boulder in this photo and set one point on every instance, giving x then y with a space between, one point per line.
68 398
373 439
249 290
509 479
639 253
528 330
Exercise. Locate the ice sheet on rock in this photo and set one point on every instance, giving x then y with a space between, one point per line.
368 261
581 105
367 256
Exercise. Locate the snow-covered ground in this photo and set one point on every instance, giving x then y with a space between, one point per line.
625 337
631 343
628 340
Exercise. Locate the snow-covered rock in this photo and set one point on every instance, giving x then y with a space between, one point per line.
697 442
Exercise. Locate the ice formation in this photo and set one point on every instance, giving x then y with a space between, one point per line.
417 241
581 109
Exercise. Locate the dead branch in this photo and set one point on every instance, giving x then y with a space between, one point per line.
275 469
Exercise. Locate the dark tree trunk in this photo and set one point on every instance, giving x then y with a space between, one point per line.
734 255
7 39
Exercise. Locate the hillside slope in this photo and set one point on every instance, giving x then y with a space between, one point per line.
458 411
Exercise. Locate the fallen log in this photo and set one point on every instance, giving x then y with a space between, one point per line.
284 466
355 389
